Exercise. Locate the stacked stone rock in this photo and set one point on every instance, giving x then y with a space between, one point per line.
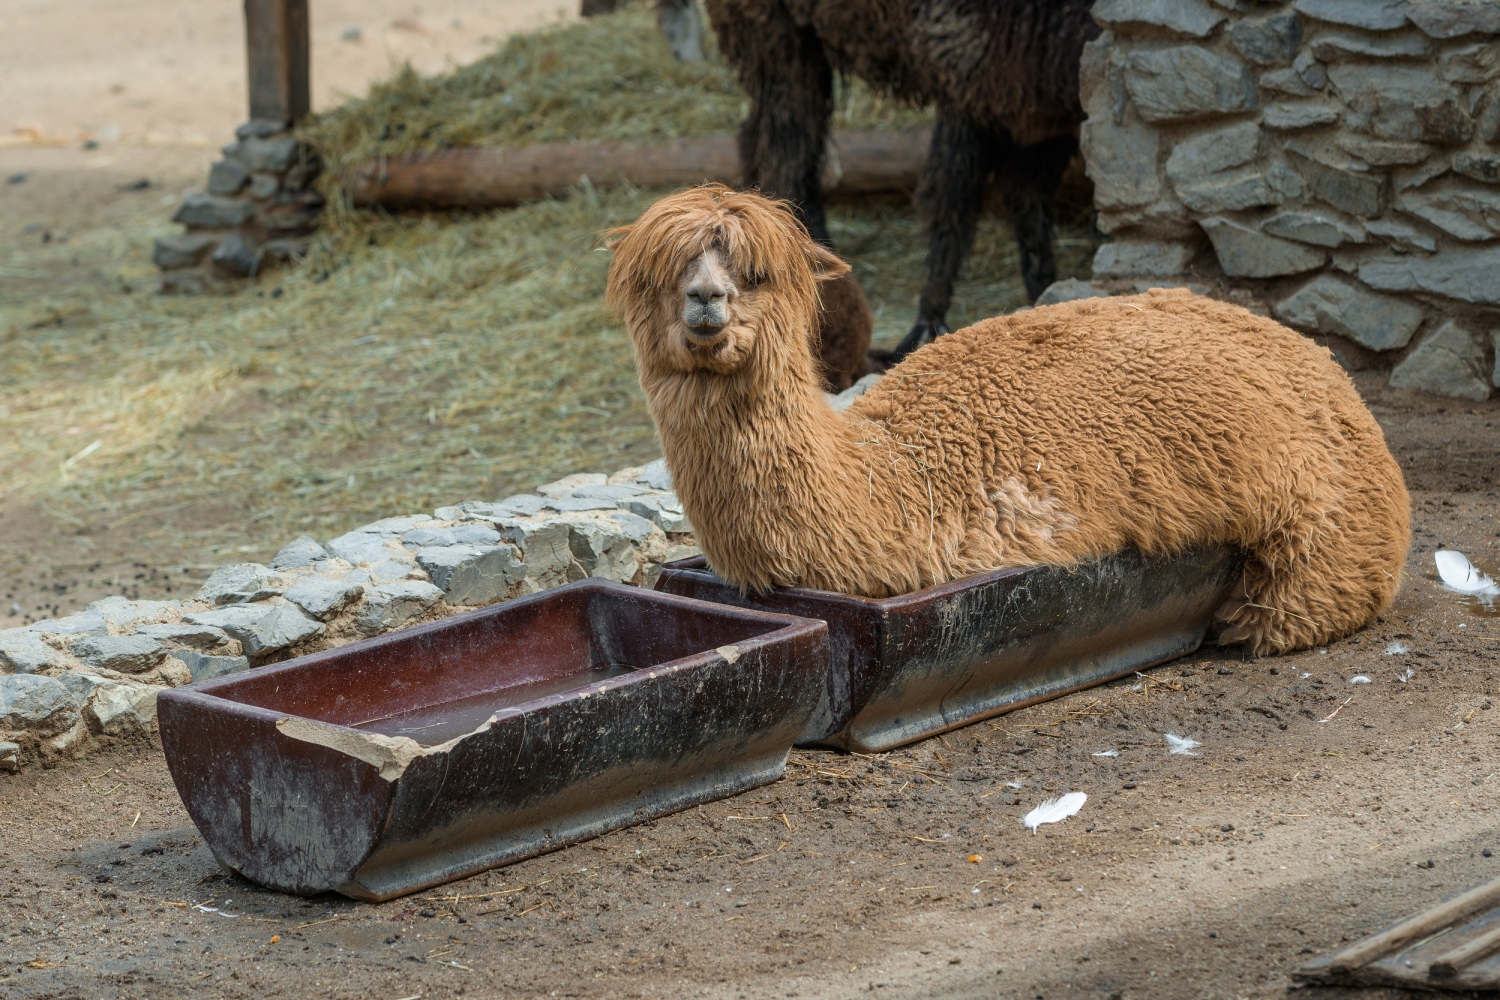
259 208
65 680
1338 158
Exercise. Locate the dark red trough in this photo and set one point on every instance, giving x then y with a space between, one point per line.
398 763
904 668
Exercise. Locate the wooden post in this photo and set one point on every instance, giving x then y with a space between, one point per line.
276 34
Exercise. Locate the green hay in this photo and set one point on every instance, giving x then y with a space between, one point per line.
434 359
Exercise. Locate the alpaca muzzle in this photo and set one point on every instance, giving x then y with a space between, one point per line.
705 315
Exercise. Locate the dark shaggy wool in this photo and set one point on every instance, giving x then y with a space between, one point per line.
1003 75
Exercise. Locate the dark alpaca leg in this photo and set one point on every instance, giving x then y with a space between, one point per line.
1029 178
950 195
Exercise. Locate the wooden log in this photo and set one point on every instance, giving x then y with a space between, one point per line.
861 163
276 37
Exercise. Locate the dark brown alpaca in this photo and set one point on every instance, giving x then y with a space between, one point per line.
1003 75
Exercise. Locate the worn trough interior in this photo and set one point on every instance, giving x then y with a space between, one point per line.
437 683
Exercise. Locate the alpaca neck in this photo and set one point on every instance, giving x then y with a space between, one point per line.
780 488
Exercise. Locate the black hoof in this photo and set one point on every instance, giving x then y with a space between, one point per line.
924 332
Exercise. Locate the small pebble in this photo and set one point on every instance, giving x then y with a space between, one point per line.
1486 852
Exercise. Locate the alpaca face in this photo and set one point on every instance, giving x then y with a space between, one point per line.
716 314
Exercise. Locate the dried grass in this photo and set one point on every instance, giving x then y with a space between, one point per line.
419 360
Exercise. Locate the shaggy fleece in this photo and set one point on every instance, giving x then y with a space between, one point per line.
1160 421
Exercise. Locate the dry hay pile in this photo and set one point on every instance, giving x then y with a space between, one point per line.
414 361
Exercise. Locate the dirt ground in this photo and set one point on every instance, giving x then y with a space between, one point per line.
1314 812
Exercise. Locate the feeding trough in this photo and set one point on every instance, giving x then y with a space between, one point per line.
903 668
387 766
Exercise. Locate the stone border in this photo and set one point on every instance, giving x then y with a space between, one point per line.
66 682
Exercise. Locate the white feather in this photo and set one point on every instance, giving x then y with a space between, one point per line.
1463 576
1406 675
1181 744
1054 810
1396 649
1107 753
1360 679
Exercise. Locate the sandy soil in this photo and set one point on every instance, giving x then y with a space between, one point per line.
1195 877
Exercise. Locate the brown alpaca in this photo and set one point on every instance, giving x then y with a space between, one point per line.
1159 422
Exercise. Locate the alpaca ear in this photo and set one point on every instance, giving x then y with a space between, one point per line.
826 265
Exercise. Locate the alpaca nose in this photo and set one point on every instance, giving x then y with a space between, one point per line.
705 302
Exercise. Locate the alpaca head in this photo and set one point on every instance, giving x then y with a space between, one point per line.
712 281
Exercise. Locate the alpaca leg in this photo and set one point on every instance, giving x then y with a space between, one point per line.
1029 178
950 195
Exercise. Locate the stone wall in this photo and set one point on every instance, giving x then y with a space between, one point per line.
258 207
1336 160
66 681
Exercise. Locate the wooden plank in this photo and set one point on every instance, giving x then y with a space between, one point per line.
1429 921
862 163
277 42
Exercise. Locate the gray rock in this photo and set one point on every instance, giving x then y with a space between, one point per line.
472 575
10 757
1317 228
1329 304
81 683
128 654
1228 192
392 605
638 529
22 651
39 704
1184 17
210 211
603 549
122 708
1478 166
273 155
544 546
576 504
1292 117
1285 180
1381 153
1187 82
392 527
1213 152
1463 211
656 475
1244 252
1404 103
1448 362
1342 47
365 547
1464 273
1270 41
1477 63
841 401
260 128
301 551
393 569
1455 18
1495 376
237 256
1122 163
83 623
1310 71
1359 194
186 250
227 177
238 583
1406 178
616 492
188 636
1128 258
1372 15
205 666
121 613
322 597
567 484
1066 290
263 186
1401 237
1287 82
463 534
260 628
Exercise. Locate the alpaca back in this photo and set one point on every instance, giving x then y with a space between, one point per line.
994 59
1157 422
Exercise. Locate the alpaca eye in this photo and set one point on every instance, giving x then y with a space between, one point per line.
754 279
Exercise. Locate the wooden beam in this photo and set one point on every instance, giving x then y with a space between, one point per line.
863 163
276 35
